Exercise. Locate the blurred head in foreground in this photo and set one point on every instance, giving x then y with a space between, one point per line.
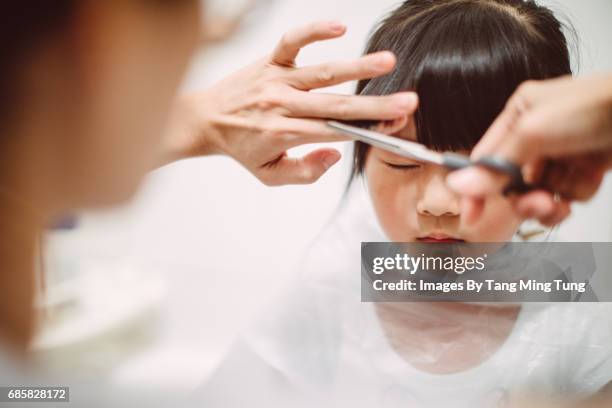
85 89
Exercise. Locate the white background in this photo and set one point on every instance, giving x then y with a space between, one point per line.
229 243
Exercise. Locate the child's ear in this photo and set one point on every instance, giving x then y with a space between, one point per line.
390 127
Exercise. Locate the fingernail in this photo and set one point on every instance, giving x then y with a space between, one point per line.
407 100
337 26
460 181
383 60
330 160
541 211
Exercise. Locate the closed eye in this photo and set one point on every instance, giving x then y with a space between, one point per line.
403 166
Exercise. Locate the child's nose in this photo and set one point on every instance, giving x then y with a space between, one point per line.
436 199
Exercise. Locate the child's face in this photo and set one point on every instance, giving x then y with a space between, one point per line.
413 203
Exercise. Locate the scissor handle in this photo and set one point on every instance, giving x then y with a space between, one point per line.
517 183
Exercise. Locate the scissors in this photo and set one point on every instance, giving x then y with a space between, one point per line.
452 161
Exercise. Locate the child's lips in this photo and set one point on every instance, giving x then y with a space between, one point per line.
440 238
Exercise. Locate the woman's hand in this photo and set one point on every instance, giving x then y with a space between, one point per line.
256 114
560 131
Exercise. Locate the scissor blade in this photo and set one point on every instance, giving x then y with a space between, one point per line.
402 147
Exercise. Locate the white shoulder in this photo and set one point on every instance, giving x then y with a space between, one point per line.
582 334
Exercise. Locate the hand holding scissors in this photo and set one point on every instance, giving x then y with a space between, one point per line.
451 161
563 125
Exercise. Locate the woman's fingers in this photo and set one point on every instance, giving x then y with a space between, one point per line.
304 131
299 170
292 41
476 181
348 107
333 73
543 206
540 204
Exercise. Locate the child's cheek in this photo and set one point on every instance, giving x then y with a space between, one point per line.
393 202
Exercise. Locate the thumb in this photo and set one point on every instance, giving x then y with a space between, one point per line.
303 170
476 181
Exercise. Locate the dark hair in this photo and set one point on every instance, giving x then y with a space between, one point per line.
464 58
25 24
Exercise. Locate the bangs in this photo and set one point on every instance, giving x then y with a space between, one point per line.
464 59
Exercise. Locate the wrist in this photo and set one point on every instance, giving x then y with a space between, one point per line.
191 132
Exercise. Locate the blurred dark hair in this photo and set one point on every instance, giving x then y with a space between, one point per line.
24 25
464 58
